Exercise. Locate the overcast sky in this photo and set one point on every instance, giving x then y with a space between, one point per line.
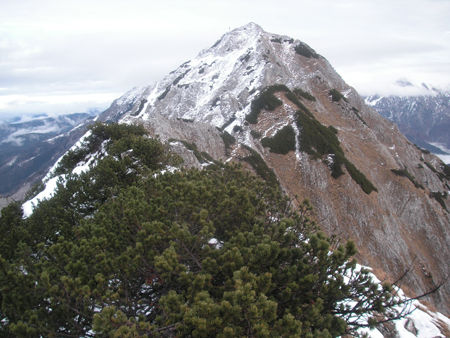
63 56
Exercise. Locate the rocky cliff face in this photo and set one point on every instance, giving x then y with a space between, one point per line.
370 184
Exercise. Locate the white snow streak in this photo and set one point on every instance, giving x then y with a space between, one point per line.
48 192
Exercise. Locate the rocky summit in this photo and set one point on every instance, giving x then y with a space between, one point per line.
276 105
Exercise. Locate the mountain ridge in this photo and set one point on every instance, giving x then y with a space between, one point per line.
402 222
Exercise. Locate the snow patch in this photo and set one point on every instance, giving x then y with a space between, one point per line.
144 109
13 160
371 101
85 166
48 192
167 169
347 93
425 322
130 95
215 243
77 145
373 333
298 153
51 181
444 158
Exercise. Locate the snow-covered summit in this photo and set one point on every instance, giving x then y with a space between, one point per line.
219 84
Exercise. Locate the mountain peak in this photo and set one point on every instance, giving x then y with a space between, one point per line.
249 27
238 38
219 84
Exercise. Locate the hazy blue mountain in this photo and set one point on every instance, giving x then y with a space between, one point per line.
423 119
30 145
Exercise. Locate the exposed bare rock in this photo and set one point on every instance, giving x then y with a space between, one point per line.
409 325
205 137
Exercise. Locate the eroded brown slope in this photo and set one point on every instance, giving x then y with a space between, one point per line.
397 228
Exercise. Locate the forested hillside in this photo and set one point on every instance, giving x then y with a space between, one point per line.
136 247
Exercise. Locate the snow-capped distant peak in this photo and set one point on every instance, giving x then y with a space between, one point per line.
372 100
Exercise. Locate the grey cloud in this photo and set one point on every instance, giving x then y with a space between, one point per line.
89 47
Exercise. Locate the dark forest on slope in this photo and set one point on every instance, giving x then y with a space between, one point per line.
131 249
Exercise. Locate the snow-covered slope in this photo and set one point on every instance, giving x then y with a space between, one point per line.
219 84
51 180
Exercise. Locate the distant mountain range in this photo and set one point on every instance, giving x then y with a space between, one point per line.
423 119
30 145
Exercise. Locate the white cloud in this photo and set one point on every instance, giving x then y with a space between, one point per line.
79 47
11 105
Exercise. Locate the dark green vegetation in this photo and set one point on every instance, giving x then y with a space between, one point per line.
306 51
141 106
122 138
283 141
34 190
268 101
125 251
301 93
439 197
202 156
179 78
237 129
318 141
164 94
260 166
446 171
356 112
314 138
228 140
295 99
336 95
255 134
265 100
408 175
